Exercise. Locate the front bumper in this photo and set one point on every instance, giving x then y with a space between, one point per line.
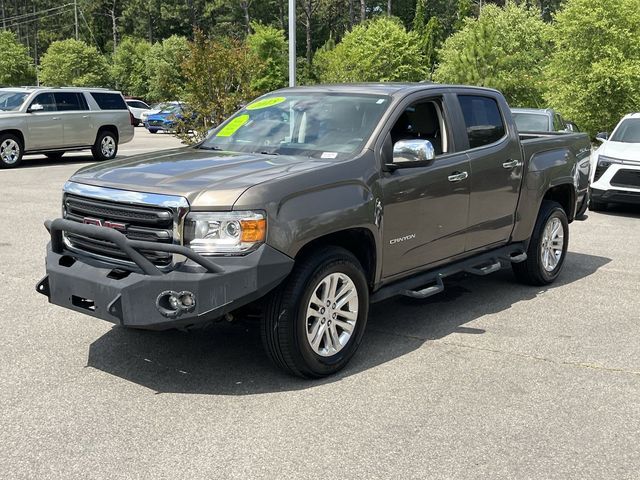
615 196
130 297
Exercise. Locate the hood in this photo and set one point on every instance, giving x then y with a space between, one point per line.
206 178
162 116
620 150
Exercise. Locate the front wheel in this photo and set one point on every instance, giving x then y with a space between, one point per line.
106 146
314 322
547 247
10 151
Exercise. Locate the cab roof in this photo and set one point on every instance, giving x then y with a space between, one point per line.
382 88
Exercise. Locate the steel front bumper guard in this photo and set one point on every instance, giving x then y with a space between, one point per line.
143 296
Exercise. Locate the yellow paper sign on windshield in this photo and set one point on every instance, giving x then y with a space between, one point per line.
267 102
233 126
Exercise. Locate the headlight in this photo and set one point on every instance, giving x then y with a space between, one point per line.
606 161
224 233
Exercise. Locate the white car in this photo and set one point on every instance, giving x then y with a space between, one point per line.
615 166
138 108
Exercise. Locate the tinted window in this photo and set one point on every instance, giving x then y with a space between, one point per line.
66 101
137 104
531 122
46 100
109 101
483 120
558 123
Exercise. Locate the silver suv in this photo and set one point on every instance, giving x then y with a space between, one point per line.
51 121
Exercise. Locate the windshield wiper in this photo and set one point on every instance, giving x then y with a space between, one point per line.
206 147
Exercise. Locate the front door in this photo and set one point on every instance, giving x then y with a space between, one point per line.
45 126
425 207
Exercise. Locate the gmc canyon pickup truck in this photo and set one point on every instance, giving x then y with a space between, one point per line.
309 204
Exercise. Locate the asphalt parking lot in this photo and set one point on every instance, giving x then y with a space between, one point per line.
490 379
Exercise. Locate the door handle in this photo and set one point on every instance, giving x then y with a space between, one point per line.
511 164
55 118
85 116
458 176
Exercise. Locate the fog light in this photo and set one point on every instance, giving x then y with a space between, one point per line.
172 304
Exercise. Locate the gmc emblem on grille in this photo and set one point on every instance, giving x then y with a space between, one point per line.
106 223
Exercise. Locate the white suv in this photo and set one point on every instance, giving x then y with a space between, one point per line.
51 121
615 166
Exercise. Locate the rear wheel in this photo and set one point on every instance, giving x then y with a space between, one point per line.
314 322
11 151
106 146
547 247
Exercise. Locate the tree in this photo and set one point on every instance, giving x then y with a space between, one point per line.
74 63
219 76
504 48
377 50
594 72
129 67
270 47
165 77
16 66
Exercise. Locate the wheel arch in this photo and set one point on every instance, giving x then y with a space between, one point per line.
565 195
17 133
108 128
359 241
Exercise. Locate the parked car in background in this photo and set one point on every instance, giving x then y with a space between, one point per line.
137 107
52 121
310 203
615 165
155 108
541 120
166 119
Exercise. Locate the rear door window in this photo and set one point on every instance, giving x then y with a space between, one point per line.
483 120
46 100
137 104
109 101
69 101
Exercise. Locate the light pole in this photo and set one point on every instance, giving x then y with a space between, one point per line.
292 43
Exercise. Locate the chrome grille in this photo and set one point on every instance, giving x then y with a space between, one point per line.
152 218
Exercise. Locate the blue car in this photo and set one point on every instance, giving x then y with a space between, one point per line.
165 119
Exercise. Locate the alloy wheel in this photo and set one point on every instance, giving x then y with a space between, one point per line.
552 244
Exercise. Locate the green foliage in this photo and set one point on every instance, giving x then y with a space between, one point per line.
594 73
166 78
74 63
378 50
16 66
129 67
270 47
505 48
220 73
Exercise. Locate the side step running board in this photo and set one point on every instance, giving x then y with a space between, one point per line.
482 264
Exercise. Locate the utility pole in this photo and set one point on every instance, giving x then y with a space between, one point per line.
75 12
292 43
4 21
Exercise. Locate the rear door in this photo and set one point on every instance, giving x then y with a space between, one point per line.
425 208
496 169
76 119
45 127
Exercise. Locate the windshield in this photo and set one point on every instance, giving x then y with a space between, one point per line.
628 131
11 101
170 109
313 124
531 122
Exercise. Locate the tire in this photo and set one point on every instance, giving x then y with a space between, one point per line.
536 270
153 130
287 327
11 151
55 156
106 146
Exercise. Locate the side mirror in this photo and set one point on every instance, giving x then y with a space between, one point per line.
36 107
408 152
602 137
